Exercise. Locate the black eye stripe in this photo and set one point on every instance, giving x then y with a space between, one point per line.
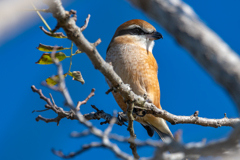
133 31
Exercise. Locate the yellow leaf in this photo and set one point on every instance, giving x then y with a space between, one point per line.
55 35
47 48
52 81
77 76
46 58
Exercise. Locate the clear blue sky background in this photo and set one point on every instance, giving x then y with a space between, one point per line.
185 85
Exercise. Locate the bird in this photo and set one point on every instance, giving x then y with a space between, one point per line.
130 54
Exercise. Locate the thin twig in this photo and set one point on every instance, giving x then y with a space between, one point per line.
57 27
47 120
40 110
52 99
39 14
70 65
110 90
40 10
39 91
85 101
110 126
86 23
97 42
81 134
131 130
55 34
83 149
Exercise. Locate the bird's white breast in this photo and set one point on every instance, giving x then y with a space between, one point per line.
130 65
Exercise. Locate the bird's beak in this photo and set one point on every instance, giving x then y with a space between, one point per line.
155 36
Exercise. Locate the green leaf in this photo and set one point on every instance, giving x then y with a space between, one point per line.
77 76
47 48
46 58
52 81
55 35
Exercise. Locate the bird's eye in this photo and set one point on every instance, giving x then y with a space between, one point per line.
138 31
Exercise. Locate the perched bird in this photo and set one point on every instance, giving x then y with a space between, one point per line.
130 53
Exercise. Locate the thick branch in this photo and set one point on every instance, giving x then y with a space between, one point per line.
221 62
193 119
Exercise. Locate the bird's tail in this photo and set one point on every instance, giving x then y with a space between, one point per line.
160 126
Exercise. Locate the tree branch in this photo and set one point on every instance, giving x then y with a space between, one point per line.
130 128
122 118
224 147
71 115
85 101
83 149
193 119
86 23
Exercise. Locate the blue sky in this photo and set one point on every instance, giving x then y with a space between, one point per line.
185 85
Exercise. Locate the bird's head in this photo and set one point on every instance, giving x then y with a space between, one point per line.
137 32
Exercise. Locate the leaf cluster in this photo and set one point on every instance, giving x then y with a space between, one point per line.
46 58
